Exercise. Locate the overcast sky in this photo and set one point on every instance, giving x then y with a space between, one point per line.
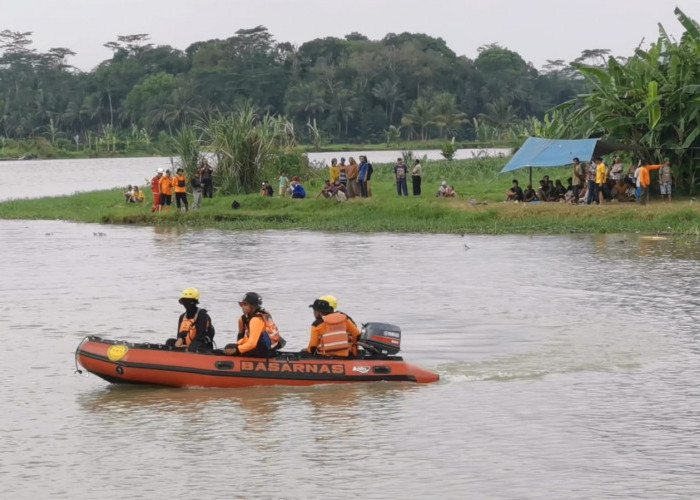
538 30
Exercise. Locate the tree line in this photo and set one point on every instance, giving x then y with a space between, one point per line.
351 89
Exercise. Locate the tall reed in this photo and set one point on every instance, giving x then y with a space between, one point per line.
243 143
188 145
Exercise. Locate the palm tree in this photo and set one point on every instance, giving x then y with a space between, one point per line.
499 114
421 115
344 107
389 93
448 116
306 98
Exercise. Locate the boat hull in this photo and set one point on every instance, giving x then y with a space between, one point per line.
129 363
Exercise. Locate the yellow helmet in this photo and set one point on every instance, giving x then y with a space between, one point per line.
190 293
332 301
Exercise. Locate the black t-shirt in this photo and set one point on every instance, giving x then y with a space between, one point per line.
518 193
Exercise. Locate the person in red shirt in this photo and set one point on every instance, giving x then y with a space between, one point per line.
155 187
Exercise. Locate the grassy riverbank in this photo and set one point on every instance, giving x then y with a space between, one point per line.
478 209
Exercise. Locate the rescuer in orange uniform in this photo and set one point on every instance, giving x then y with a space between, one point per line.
155 187
180 187
333 333
258 336
166 191
194 328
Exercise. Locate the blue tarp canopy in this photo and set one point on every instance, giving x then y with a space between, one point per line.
538 152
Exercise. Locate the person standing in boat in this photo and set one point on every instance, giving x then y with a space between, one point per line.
333 333
194 328
258 336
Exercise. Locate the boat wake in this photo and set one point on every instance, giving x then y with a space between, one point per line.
530 366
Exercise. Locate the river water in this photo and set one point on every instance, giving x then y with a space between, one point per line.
568 364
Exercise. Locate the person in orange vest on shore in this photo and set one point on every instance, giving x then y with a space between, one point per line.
258 336
642 179
180 186
194 328
166 191
333 333
155 188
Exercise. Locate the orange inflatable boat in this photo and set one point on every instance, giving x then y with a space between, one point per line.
156 364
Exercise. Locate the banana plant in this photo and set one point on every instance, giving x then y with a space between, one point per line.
652 100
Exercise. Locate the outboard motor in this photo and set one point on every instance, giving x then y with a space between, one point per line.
381 338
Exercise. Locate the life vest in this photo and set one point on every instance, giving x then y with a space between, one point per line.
335 341
270 336
180 184
188 326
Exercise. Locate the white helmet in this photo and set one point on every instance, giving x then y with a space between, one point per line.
160 171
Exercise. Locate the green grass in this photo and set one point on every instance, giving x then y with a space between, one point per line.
477 209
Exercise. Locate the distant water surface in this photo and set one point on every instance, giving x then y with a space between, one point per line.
65 177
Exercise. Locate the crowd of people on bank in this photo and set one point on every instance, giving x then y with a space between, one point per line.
591 183
333 333
347 179
164 185
596 183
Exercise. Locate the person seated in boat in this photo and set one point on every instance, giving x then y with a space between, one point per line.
194 328
333 333
258 336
